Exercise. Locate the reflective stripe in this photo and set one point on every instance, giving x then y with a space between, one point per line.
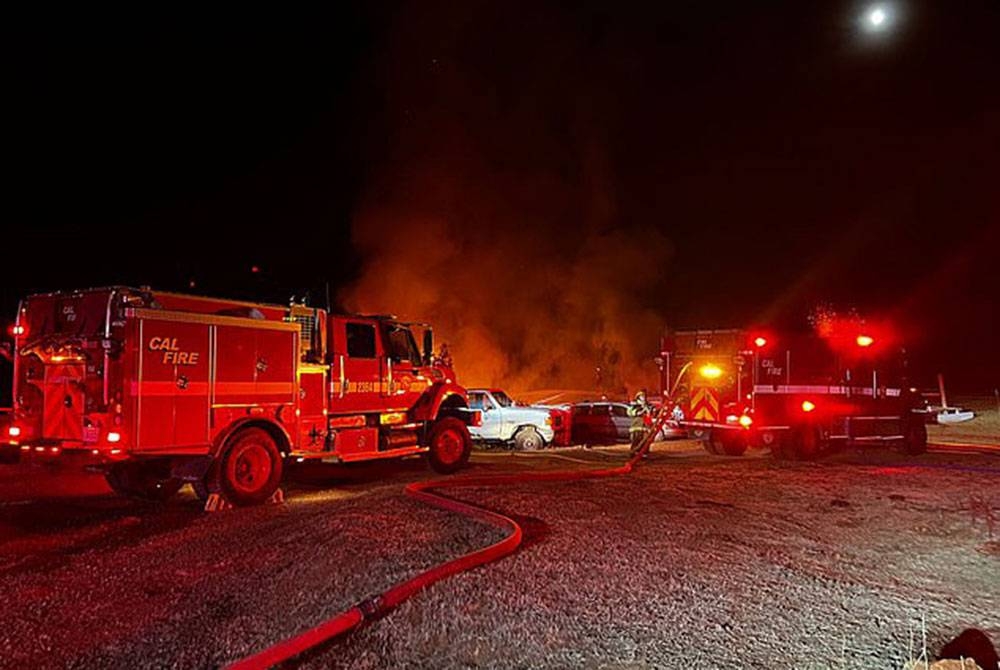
783 389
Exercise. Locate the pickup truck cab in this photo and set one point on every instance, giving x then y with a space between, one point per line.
504 422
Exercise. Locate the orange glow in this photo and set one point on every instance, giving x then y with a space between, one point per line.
746 421
710 371
808 406
865 341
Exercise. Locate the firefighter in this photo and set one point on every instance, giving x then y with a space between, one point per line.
641 413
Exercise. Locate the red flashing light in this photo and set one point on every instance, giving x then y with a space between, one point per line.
14 431
808 406
17 330
865 340
760 342
114 437
746 421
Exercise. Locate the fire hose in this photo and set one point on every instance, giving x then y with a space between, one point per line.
427 491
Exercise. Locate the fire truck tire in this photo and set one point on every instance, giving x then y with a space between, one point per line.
808 443
145 481
916 437
528 439
249 468
735 445
724 443
449 445
709 442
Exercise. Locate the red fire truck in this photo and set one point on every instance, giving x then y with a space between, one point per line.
159 389
795 393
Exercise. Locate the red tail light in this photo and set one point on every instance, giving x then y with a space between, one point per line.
808 406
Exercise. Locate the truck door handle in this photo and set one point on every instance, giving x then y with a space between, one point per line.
343 376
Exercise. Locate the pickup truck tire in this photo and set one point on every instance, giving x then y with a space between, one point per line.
249 468
449 445
145 481
528 439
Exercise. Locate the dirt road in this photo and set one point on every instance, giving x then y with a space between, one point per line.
693 561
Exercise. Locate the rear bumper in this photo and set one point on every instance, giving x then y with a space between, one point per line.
52 453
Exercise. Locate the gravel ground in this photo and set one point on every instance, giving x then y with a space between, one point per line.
693 561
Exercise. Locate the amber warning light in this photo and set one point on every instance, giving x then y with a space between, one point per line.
865 341
710 371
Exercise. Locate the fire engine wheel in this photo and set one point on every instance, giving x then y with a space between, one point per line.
916 437
249 468
727 444
449 444
808 443
146 481
528 439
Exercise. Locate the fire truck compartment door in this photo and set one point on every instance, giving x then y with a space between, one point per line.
63 388
312 408
173 389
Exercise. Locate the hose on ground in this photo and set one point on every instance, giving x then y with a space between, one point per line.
427 492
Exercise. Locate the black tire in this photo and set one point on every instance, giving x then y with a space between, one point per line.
735 444
145 481
711 442
808 443
449 445
916 437
781 446
726 443
527 438
248 470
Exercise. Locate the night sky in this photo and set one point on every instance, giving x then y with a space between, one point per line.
775 154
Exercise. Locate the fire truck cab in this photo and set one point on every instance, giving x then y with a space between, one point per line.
797 394
158 389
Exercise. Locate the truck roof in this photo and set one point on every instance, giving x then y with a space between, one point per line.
218 301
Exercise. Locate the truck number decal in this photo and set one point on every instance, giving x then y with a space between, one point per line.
172 354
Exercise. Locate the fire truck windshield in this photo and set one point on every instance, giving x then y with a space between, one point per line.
400 344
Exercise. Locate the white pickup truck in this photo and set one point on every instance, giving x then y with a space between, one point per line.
505 422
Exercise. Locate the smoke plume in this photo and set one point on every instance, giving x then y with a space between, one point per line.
495 214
